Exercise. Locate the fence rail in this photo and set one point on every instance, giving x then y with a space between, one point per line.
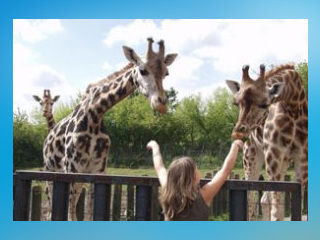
145 194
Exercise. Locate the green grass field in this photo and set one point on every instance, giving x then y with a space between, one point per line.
143 171
151 172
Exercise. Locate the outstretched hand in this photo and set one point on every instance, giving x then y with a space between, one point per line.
239 143
153 145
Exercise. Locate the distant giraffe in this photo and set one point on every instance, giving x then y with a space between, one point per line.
273 114
46 103
80 143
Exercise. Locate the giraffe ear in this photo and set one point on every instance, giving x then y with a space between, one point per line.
276 89
169 59
131 55
56 98
233 85
36 98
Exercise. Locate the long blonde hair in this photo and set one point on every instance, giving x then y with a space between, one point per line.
180 190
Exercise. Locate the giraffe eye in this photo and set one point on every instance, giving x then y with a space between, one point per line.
143 72
263 106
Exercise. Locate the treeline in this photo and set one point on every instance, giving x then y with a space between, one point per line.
194 126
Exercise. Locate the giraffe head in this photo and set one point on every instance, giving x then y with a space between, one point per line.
46 102
151 72
253 97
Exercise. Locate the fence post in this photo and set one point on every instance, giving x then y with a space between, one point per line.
116 205
101 206
36 203
296 203
130 202
287 207
60 201
305 199
22 199
238 205
143 203
155 205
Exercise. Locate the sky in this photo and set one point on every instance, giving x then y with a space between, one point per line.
67 55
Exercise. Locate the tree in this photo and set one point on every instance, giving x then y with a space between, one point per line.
302 68
27 142
190 112
220 119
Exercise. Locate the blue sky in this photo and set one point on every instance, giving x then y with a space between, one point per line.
66 55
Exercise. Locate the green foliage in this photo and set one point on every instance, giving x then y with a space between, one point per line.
220 120
193 126
302 68
222 217
27 142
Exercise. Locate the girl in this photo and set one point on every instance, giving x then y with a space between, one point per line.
181 197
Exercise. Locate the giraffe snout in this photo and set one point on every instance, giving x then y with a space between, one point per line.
239 132
159 103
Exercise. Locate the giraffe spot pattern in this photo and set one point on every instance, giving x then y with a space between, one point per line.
101 146
82 126
93 116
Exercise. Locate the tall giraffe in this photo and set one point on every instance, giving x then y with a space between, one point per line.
46 103
273 114
80 143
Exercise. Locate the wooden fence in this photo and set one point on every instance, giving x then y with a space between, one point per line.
141 193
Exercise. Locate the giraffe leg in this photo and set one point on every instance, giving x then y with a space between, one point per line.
277 206
75 191
301 175
272 204
275 200
252 162
266 206
89 203
48 191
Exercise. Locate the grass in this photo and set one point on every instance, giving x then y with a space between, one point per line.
151 172
145 171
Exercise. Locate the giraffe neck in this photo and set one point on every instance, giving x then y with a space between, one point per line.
293 92
105 94
50 121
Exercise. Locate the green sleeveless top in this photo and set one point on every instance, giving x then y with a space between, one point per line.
197 211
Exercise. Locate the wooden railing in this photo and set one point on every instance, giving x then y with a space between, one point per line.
144 194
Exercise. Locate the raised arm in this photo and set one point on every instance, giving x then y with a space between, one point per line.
158 162
209 190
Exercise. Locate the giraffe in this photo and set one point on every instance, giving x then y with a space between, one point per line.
273 115
46 103
79 143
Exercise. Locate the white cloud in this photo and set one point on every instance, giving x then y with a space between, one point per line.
258 41
179 34
107 66
30 78
183 74
226 44
35 30
210 51
30 74
131 34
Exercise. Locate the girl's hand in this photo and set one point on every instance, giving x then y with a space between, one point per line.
239 143
152 145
